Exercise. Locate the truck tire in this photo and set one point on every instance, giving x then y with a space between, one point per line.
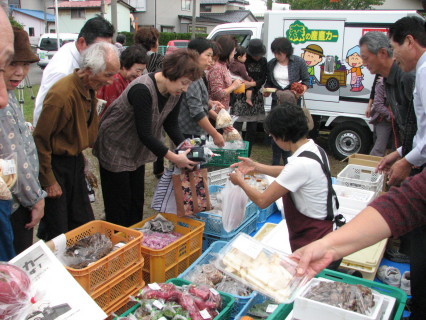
332 84
347 138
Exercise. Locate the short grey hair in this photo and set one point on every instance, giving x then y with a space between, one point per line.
96 56
375 41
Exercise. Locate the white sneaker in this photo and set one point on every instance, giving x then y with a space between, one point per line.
406 283
389 275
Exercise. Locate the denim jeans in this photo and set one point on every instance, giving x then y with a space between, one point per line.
7 251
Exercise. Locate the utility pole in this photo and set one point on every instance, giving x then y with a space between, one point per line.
102 8
194 17
114 17
57 23
46 27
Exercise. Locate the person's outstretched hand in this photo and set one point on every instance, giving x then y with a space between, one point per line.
246 165
182 160
313 258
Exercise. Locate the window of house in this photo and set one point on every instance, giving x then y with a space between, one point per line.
31 31
197 29
205 8
78 14
167 29
186 5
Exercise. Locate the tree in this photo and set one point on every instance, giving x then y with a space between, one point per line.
330 4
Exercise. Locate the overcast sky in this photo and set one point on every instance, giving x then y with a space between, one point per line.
256 6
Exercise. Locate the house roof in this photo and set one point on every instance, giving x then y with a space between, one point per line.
88 4
243 2
38 14
228 16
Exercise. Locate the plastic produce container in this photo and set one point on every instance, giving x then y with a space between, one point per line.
207 257
112 265
263 269
172 260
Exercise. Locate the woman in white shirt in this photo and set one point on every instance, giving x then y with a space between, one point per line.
304 183
283 70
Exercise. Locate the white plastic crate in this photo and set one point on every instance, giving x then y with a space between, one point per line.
348 213
353 198
218 177
361 177
309 309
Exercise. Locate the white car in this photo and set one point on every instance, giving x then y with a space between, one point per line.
48 45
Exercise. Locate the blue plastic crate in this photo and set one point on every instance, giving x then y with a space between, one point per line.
248 227
280 312
263 214
206 257
213 223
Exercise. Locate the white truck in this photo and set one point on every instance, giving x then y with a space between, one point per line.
328 42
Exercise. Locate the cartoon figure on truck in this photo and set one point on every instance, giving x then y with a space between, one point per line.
339 94
312 55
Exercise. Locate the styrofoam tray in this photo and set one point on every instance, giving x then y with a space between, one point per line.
388 305
304 308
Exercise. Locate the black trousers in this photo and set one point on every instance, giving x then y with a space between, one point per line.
278 154
23 238
251 128
418 272
123 194
73 208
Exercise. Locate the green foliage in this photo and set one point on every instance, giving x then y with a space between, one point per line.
15 23
165 37
326 4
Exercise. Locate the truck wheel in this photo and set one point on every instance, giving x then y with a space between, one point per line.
348 138
332 84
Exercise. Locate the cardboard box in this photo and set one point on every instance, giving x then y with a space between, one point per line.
363 160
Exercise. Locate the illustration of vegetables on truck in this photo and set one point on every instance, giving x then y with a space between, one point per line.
332 81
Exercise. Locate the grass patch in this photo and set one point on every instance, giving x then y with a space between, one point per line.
28 94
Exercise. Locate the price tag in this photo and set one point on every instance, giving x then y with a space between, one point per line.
158 304
205 314
8 167
154 286
214 291
271 308
247 247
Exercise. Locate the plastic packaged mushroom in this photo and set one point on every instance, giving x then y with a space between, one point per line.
261 268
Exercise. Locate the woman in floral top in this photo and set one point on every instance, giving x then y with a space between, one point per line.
219 77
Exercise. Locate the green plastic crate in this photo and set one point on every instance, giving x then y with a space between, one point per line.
280 313
227 302
228 156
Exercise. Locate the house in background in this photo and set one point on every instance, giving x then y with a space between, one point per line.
74 14
214 12
164 15
34 22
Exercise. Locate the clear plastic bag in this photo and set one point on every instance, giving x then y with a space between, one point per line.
232 135
234 201
9 170
87 250
224 119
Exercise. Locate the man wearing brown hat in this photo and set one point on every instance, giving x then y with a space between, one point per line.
28 196
312 55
